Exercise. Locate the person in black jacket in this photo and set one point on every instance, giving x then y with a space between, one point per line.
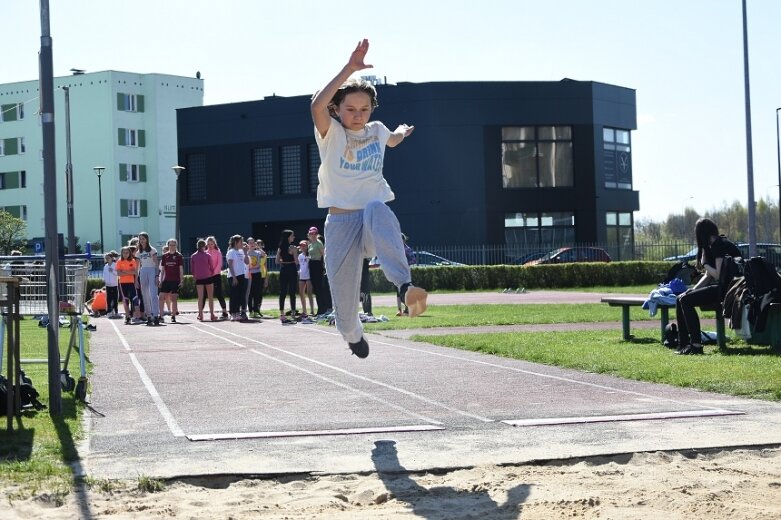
711 250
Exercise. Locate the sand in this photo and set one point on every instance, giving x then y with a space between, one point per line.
712 485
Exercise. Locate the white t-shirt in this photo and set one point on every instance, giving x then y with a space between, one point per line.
239 267
350 172
303 267
145 257
110 274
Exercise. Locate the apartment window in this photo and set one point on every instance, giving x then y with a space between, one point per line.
11 180
263 172
537 157
617 158
620 234
132 172
542 230
130 102
16 211
133 208
195 177
12 146
12 112
290 157
131 137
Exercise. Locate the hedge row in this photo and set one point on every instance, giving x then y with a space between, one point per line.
493 277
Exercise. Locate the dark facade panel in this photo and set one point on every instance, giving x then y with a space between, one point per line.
447 176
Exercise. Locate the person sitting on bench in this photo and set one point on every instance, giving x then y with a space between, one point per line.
711 250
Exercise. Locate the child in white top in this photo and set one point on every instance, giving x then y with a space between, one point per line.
304 278
351 185
111 280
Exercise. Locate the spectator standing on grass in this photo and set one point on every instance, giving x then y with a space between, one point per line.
111 281
287 260
711 250
213 250
202 267
352 187
172 277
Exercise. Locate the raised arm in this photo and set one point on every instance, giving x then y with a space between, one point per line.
321 100
399 134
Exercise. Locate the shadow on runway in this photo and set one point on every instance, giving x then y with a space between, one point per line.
440 503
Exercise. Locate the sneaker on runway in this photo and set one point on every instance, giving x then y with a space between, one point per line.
360 349
173 319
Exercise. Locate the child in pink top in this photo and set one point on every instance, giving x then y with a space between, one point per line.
214 251
202 267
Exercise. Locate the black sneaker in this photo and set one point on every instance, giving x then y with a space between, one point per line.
173 319
157 320
690 350
243 316
149 321
360 349
127 320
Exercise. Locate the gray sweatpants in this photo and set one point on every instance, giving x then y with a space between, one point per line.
147 277
351 237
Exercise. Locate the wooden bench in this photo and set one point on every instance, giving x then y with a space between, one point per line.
626 302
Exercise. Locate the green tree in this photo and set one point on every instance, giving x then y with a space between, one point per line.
12 233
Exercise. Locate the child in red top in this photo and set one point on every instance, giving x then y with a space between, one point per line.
172 277
127 270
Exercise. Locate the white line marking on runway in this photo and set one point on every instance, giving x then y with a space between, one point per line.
625 417
356 376
312 433
150 387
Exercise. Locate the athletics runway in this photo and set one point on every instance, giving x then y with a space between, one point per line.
198 398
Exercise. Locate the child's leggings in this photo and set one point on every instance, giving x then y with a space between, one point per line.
351 237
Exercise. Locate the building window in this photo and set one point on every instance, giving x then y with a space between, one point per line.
537 157
16 211
132 208
12 180
617 158
131 137
539 230
12 146
290 156
314 167
195 177
132 172
620 235
130 102
263 172
12 112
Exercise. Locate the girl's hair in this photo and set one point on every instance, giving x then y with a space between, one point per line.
304 243
353 85
235 239
124 250
148 247
284 240
212 239
704 229
201 244
171 240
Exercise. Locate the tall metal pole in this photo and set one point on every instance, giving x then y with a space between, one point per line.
178 171
778 151
69 173
50 211
99 172
752 229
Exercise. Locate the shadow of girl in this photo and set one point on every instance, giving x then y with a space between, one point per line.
442 502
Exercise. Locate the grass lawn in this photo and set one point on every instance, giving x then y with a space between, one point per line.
37 455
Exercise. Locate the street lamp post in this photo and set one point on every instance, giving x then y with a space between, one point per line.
99 172
178 171
778 151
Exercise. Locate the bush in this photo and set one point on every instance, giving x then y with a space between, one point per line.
492 277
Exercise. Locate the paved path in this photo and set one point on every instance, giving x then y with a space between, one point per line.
261 398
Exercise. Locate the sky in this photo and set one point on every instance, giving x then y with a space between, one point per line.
684 58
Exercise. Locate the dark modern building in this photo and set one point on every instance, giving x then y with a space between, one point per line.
527 164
